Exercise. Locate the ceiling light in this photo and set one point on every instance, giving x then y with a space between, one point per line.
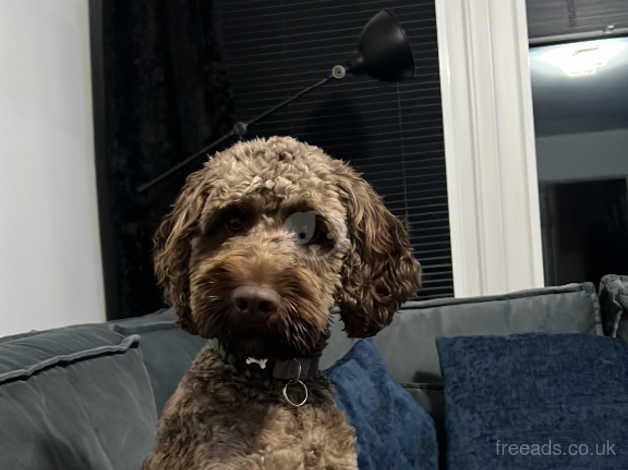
583 59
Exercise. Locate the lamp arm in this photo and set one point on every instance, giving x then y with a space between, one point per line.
239 129
143 187
294 97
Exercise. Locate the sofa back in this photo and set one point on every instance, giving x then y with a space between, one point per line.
167 350
408 343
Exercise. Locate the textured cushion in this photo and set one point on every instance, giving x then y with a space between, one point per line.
74 398
167 350
393 432
614 303
535 394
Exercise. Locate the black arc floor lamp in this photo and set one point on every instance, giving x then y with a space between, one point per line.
383 53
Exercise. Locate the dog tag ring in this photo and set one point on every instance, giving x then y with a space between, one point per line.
298 381
305 391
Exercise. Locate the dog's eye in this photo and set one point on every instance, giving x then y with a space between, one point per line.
303 225
310 232
319 235
234 224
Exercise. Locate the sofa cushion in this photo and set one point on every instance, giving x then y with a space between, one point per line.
74 398
392 431
430 397
168 351
614 303
535 401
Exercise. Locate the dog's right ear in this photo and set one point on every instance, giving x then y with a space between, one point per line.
172 248
380 271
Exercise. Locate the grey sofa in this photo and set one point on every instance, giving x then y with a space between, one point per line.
89 396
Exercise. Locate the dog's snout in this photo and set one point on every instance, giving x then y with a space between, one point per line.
255 300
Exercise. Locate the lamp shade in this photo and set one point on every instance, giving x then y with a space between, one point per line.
383 51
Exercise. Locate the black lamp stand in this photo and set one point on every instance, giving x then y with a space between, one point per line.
383 53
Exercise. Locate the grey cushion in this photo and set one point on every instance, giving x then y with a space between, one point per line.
18 335
74 398
167 350
614 303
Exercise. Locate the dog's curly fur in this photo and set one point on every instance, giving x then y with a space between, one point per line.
230 226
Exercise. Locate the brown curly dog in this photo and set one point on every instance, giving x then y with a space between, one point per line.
261 243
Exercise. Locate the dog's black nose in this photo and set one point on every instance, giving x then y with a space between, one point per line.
255 300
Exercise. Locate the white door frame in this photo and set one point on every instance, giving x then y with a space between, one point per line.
489 146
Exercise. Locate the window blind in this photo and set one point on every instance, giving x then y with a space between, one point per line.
392 133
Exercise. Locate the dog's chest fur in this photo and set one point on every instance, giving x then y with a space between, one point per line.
219 418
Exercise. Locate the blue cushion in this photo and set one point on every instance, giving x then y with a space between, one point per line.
532 401
392 430
74 398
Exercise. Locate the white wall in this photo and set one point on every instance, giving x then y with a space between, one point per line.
50 266
584 156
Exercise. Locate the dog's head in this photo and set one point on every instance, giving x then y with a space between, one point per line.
267 237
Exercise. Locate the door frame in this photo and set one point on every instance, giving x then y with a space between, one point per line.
490 153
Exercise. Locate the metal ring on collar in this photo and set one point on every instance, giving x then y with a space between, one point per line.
305 390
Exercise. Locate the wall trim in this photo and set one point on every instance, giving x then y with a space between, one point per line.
489 146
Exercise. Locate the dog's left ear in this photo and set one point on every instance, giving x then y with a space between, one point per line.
380 271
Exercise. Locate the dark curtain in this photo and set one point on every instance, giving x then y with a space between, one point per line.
160 93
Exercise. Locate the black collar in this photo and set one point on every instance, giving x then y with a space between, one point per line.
283 369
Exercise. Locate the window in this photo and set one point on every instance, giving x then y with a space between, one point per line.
391 133
581 121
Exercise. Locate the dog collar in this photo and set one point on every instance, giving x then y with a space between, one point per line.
282 369
291 371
